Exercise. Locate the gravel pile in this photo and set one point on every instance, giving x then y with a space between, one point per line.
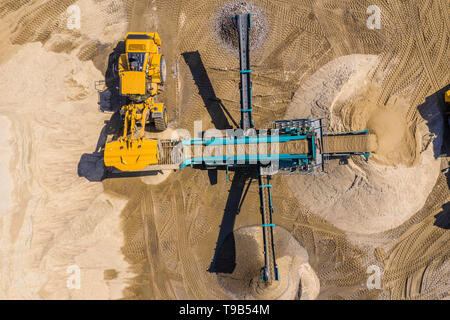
226 31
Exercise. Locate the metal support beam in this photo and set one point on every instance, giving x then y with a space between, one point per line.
243 25
270 269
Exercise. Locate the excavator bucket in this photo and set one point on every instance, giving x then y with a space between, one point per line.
131 154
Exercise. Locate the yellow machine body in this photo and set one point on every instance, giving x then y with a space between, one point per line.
447 96
133 83
131 154
150 44
142 70
141 67
132 151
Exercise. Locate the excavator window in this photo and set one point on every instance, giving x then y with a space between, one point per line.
136 60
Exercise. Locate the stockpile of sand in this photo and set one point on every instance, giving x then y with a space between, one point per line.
225 28
55 218
50 218
243 250
383 193
6 155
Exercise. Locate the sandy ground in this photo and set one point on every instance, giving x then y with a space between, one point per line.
382 194
247 252
55 219
156 236
6 152
51 219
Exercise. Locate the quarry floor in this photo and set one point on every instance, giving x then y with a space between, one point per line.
155 236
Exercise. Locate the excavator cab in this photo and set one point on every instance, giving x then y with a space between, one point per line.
136 60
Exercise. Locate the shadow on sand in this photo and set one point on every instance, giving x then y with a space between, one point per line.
433 110
214 105
436 112
224 260
443 217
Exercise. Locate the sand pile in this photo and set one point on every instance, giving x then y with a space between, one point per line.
226 31
54 219
6 155
53 222
54 24
243 252
396 134
51 218
383 193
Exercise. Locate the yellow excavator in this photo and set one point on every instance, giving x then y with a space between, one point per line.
142 72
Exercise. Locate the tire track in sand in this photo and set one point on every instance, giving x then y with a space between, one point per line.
191 273
152 243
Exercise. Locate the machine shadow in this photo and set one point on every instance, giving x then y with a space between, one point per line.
91 165
436 112
214 105
110 99
443 218
433 110
224 260
212 175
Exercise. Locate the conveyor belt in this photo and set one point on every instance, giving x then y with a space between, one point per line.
243 25
290 147
350 143
343 143
270 270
